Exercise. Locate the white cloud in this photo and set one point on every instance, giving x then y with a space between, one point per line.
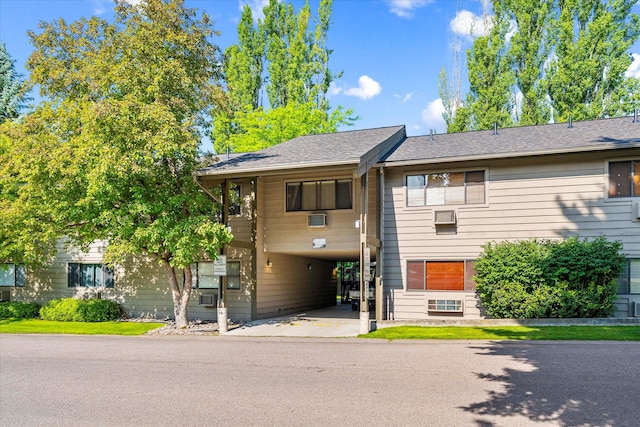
405 98
432 116
468 24
256 7
367 88
404 8
634 68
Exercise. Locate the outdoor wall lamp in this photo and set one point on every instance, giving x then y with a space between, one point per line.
269 263
309 266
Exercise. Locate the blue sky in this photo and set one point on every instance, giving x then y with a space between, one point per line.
390 51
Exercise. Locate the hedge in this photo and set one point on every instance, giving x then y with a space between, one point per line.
75 310
19 310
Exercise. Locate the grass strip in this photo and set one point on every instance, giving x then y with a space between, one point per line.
37 326
578 333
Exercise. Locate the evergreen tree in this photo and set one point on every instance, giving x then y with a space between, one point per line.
11 87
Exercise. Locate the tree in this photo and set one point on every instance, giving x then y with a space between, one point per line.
491 78
278 65
529 48
564 58
11 87
110 154
586 74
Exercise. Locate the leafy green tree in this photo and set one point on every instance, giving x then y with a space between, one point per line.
262 129
586 74
529 48
561 58
279 63
11 87
110 154
491 78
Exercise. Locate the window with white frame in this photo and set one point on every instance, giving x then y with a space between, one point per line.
12 275
319 195
89 275
440 276
446 188
629 280
624 178
205 279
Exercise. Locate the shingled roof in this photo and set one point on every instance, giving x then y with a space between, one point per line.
359 148
593 135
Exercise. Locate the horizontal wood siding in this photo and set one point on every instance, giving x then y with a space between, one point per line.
288 286
547 197
141 286
287 232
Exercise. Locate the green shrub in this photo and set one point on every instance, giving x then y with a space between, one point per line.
74 310
19 310
538 279
100 310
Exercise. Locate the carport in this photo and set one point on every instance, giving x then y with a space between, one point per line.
295 209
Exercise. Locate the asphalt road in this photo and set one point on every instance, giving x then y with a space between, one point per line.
236 381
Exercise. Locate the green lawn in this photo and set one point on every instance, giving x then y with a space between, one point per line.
37 326
580 333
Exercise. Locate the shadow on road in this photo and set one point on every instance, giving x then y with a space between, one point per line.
580 386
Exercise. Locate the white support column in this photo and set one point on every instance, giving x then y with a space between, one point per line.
364 286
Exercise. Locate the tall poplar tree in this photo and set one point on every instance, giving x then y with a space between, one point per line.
110 154
562 58
529 48
491 78
277 77
586 74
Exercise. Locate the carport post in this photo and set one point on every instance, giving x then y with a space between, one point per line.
364 286
223 326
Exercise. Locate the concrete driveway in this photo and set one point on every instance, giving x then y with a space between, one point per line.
336 321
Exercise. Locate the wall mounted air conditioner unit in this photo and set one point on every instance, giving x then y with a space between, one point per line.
444 217
317 220
5 296
207 300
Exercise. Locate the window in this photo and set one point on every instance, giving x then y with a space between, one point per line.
624 179
89 275
235 200
448 188
629 280
12 275
319 195
205 279
440 276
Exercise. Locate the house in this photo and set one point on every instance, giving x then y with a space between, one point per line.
420 207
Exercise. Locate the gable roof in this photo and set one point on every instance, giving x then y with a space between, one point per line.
593 135
359 148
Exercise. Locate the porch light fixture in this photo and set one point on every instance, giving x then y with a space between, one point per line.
269 263
309 266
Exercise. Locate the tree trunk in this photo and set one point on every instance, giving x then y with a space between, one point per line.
180 297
